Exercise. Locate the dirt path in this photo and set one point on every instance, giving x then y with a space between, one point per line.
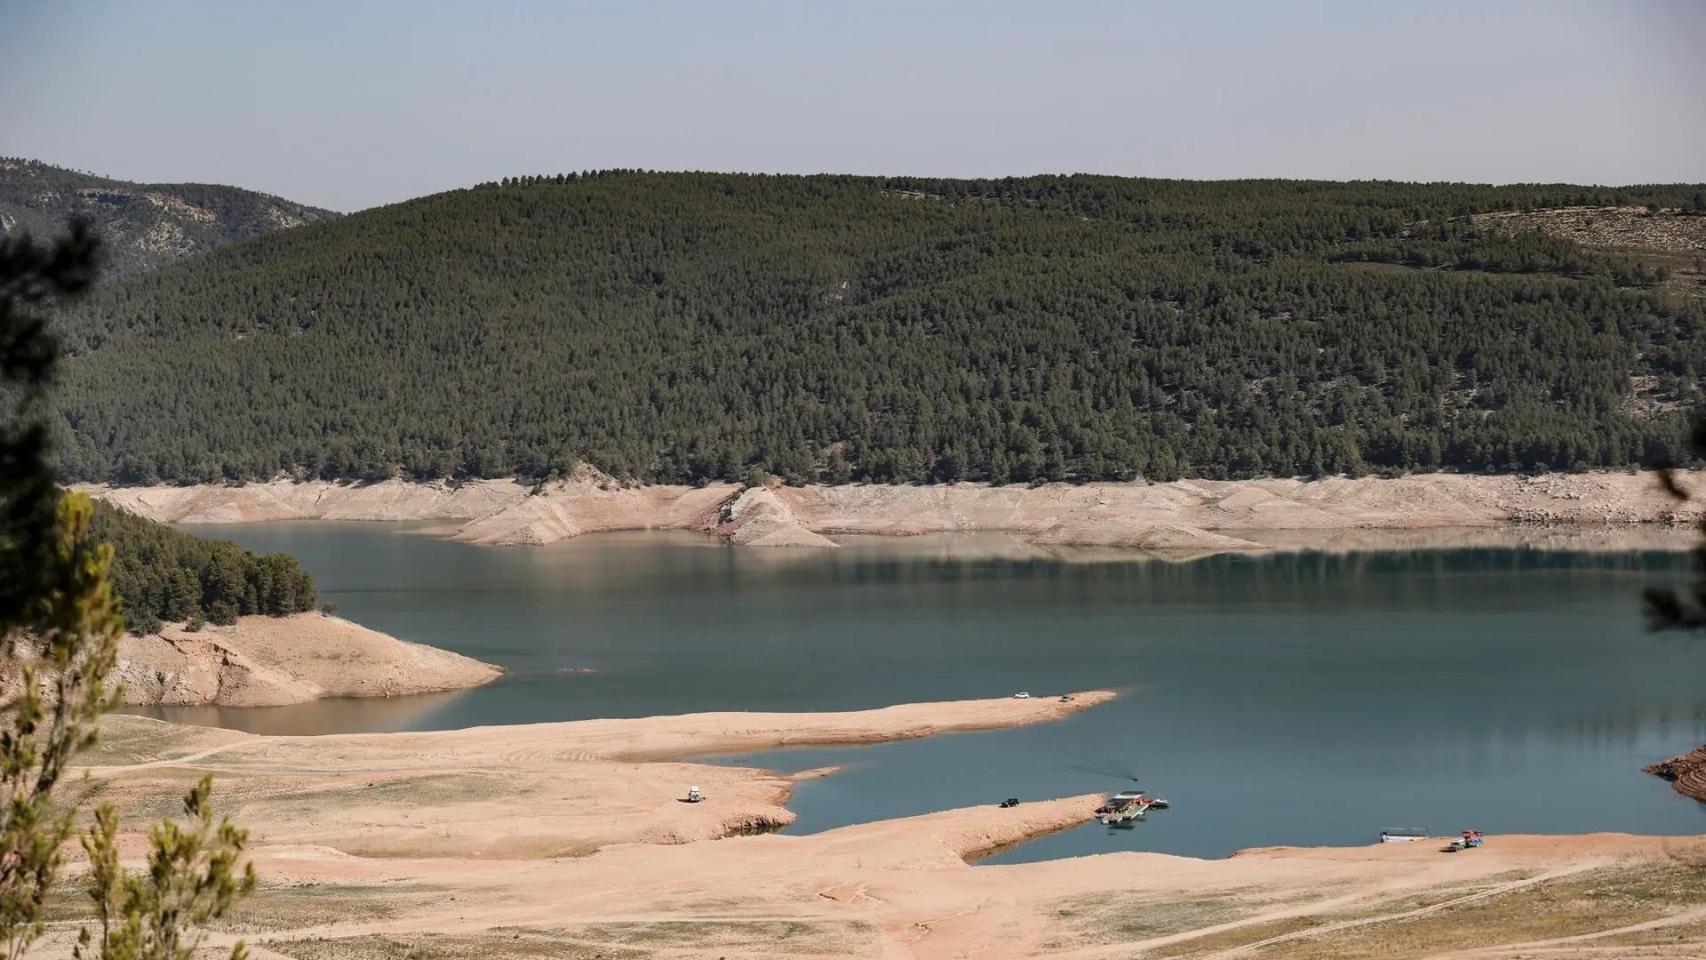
1495 891
1583 944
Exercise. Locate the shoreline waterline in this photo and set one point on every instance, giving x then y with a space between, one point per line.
1177 516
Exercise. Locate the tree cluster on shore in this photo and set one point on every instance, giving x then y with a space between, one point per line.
162 574
691 327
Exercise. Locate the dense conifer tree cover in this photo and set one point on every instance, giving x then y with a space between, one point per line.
161 574
684 327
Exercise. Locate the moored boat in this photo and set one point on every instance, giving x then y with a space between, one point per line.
1127 806
1402 835
1125 797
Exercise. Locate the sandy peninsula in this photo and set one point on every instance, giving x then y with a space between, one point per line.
274 661
569 840
531 790
1184 515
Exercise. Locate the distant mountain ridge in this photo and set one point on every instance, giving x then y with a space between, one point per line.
144 225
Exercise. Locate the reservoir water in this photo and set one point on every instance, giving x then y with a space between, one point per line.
1304 698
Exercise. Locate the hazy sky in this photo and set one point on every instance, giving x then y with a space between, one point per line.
349 104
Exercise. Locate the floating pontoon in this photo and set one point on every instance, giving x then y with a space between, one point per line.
1128 806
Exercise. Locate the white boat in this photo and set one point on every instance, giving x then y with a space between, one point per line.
1402 835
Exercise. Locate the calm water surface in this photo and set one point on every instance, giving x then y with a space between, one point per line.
1299 699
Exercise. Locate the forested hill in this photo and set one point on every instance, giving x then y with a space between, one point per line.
142 225
161 574
679 327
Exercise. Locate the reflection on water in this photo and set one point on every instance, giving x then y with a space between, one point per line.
1288 698
338 715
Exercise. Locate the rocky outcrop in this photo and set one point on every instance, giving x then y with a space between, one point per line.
758 517
273 661
590 502
1686 773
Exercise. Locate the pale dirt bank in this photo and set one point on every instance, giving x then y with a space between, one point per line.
532 790
273 661
552 840
1185 515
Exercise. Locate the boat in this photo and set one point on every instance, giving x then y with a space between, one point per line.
1127 806
1402 835
1123 811
1128 796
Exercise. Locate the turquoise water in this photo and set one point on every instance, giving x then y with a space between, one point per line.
1304 698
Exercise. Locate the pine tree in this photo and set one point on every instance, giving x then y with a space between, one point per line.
60 626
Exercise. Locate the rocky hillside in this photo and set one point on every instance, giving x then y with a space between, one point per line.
145 225
1672 239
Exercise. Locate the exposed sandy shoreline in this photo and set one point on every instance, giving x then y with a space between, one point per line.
567 840
1185 515
537 790
273 661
